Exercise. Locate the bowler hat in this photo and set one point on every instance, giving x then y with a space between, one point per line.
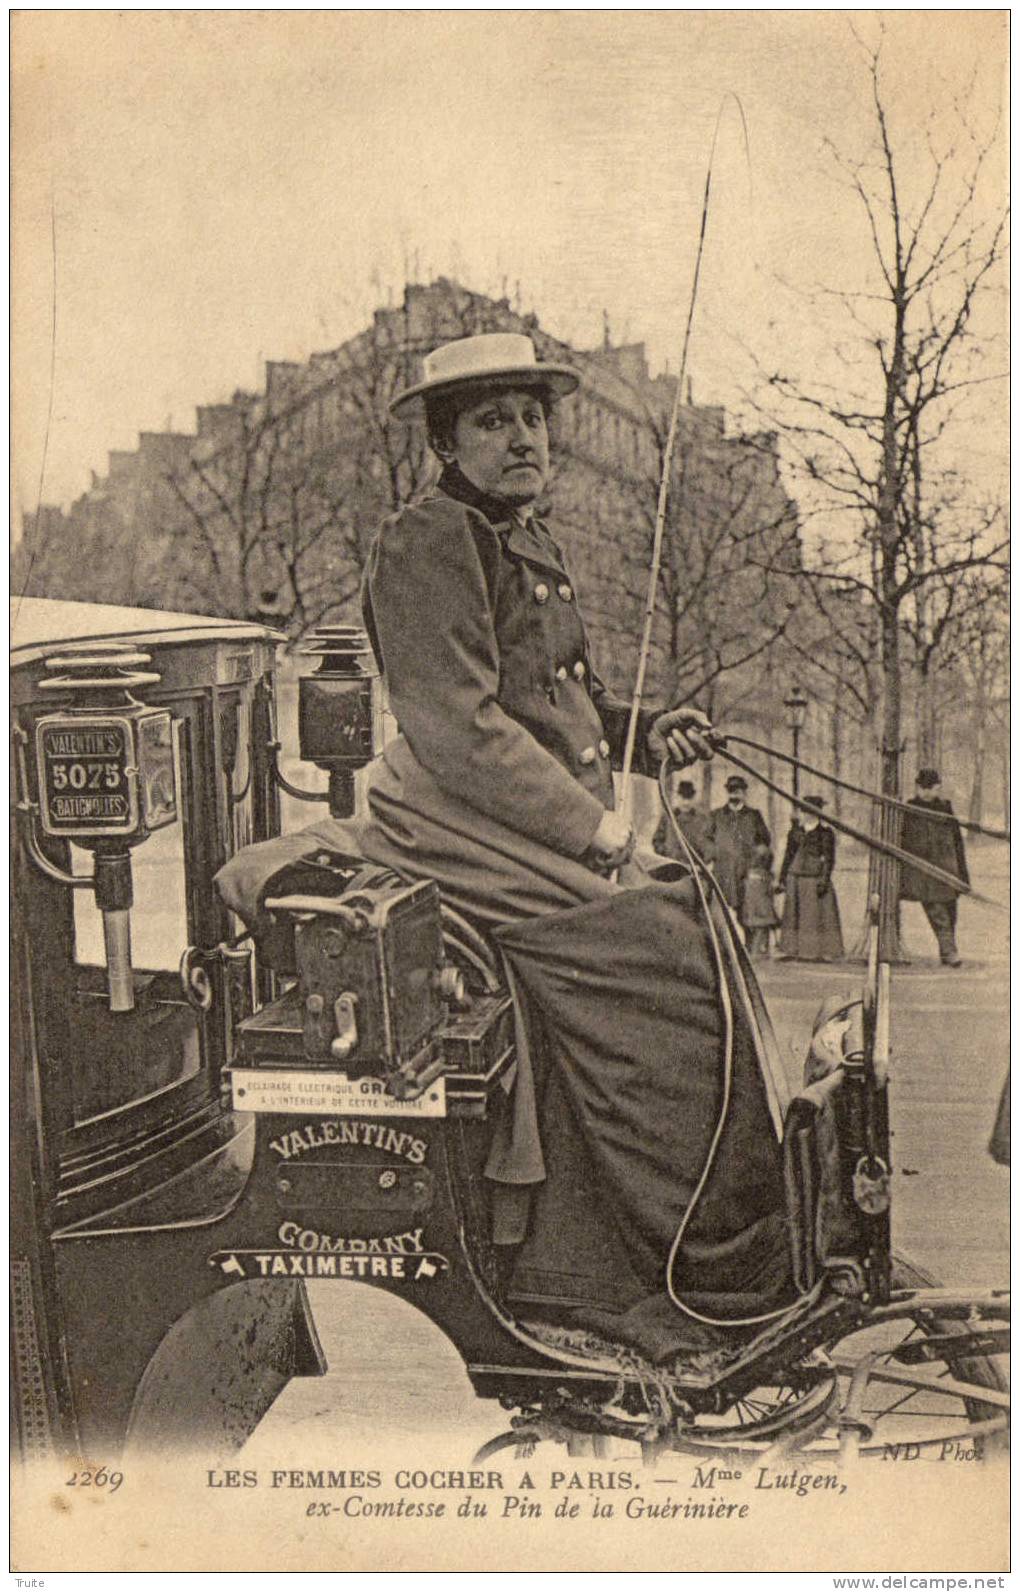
506 358
686 789
814 801
736 782
927 777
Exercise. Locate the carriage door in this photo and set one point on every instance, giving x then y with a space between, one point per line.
131 1087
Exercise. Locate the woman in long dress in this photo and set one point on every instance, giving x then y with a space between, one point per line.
810 930
499 786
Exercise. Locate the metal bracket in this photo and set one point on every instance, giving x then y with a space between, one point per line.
28 811
194 973
273 752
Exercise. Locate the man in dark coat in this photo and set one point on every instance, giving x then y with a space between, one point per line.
937 840
695 824
734 832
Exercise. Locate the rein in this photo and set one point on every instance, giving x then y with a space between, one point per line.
860 790
886 847
720 925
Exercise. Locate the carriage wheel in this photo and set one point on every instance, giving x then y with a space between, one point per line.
911 1377
918 1377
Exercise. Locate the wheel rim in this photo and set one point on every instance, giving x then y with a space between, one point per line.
869 1403
755 1421
956 1398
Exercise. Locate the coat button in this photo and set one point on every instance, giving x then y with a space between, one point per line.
579 669
561 672
565 591
587 756
603 748
541 592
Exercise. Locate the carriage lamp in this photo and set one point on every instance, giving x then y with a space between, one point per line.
339 714
796 706
106 780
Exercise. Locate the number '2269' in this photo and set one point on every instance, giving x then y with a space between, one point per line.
96 1478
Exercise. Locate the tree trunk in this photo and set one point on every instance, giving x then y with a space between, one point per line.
927 728
883 871
836 750
975 806
925 685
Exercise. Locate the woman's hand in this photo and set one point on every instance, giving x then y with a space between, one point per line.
682 735
612 842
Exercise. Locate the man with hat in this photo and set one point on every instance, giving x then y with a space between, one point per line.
695 824
735 831
938 840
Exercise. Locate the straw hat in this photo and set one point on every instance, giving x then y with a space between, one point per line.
506 358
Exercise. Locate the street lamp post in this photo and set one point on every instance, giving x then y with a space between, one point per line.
796 706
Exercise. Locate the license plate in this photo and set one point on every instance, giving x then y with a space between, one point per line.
328 1094
84 784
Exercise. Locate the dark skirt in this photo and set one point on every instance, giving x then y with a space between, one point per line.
624 1069
810 929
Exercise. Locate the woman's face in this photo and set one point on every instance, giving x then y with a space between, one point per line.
501 444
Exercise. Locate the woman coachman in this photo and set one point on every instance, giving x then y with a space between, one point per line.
500 787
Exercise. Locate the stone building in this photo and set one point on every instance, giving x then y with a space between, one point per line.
269 507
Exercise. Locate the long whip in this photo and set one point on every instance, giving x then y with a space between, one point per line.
664 479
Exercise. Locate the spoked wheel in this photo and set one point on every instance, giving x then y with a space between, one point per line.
770 1414
922 1376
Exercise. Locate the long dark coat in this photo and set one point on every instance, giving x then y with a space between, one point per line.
733 838
936 840
494 788
810 930
477 630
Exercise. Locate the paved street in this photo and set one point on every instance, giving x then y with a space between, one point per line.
950 1038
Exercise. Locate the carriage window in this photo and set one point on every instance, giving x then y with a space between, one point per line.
159 917
120 1066
123 1059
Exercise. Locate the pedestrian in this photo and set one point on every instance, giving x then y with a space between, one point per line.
758 911
938 840
692 820
734 832
810 930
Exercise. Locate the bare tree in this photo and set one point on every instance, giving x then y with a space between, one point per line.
720 608
974 676
264 523
867 448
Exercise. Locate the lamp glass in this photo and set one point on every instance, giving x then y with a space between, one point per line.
796 706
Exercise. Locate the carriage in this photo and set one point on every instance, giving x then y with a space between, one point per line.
204 1119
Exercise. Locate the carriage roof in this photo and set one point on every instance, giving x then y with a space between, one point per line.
38 623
